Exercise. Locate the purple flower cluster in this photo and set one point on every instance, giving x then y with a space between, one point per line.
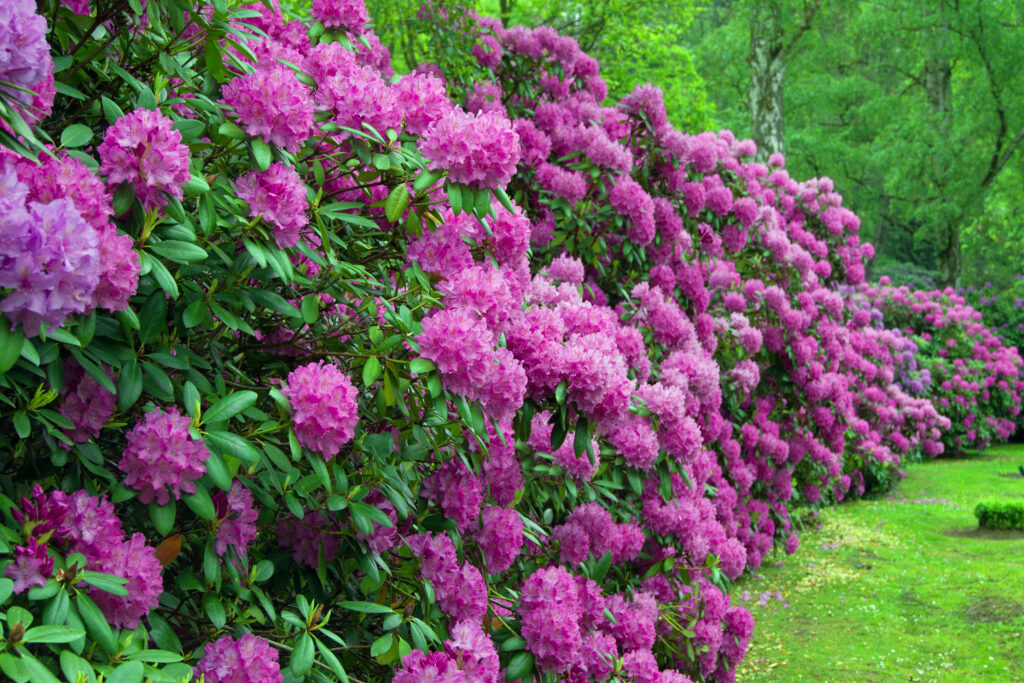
49 258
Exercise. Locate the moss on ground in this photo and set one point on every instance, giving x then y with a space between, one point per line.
905 588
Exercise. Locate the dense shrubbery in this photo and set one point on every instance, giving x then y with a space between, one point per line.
312 370
1000 514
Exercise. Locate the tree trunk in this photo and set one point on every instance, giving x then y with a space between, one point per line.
767 69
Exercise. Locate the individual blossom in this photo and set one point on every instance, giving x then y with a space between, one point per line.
271 104
279 195
136 561
49 260
160 453
249 659
32 566
350 15
236 519
500 538
143 148
325 407
479 150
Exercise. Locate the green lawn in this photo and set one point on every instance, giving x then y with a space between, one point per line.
902 589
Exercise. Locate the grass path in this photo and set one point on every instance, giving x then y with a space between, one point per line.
901 589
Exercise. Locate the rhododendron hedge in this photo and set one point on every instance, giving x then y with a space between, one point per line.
312 371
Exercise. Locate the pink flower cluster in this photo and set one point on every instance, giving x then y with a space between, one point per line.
142 148
325 405
161 452
80 523
279 196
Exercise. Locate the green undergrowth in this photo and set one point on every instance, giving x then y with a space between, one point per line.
906 588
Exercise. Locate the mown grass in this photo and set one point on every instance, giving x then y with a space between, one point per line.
901 589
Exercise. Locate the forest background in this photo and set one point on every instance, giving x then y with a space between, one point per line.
914 107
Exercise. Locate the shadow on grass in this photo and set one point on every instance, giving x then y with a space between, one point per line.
983 534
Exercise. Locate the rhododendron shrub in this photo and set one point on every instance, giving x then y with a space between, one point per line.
311 371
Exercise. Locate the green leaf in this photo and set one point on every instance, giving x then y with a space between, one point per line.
301 660
190 129
482 202
396 203
228 443
163 276
520 667
154 656
503 199
214 610
513 644
425 180
381 645
421 366
38 673
115 585
231 130
196 185
455 198
163 516
261 154
76 135
51 633
218 471
129 385
178 251
263 570
201 503
153 317
371 371
364 607
601 568
229 406
129 672
11 342
124 197
75 668
111 111
96 624
310 309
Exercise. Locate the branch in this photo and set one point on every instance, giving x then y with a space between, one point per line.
810 11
